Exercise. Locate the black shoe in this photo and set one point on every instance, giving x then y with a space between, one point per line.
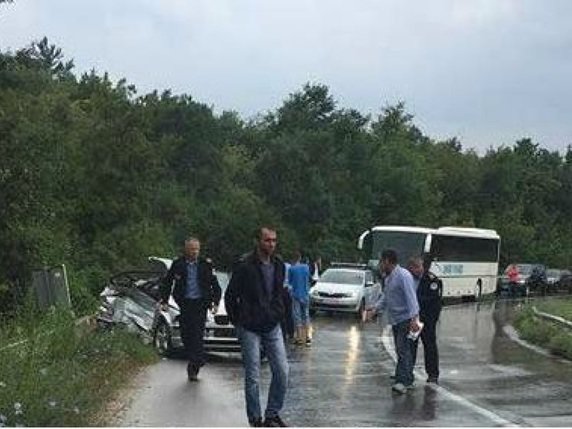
256 423
274 422
193 371
433 380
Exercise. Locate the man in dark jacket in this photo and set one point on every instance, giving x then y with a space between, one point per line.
429 295
255 305
196 290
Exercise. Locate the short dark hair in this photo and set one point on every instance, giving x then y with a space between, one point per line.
416 260
258 233
390 256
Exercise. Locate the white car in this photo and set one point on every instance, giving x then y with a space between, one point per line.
131 299
220 335
349 289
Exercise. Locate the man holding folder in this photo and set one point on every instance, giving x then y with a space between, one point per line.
399 301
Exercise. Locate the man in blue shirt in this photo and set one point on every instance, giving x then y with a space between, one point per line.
299 278
399 301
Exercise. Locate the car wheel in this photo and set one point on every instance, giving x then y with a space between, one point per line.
162 338
361 311
312 311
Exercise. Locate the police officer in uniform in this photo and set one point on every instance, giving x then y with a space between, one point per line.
429 295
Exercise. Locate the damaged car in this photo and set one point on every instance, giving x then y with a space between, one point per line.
131 299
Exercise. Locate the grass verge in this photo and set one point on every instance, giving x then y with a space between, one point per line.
544 333
60 375
560 307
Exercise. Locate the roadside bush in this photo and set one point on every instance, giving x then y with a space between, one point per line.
561 344
532 329
85 286
544 333
61 375
560 307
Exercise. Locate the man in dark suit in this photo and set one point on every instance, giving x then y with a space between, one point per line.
195 290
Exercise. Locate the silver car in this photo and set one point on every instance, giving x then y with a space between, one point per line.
345 289
131 299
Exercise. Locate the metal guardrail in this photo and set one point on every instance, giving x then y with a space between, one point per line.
557 319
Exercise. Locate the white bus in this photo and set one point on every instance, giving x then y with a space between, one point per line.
466 259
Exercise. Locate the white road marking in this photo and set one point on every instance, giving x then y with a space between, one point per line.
386 339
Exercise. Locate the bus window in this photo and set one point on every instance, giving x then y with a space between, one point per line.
464 249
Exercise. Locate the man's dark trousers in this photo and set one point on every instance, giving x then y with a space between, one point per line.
404 350
429 340
287 324
192 323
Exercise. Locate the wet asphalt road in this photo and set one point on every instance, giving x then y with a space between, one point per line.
487 379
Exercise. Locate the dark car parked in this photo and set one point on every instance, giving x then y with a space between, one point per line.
565 281
537 281
553 277
558 280
518 287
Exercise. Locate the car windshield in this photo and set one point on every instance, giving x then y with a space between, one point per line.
342 277
552 273
524 269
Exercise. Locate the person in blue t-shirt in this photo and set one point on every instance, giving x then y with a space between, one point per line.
287 322
299 280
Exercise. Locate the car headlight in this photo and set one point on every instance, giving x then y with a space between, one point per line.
352 294
314 292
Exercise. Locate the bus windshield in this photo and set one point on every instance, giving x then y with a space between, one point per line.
405 244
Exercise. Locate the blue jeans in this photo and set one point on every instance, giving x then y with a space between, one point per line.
273 344
403 348
300 312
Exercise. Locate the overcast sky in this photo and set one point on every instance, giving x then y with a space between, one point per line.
486 71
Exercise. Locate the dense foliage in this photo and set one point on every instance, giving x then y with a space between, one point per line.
57 375
98 177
